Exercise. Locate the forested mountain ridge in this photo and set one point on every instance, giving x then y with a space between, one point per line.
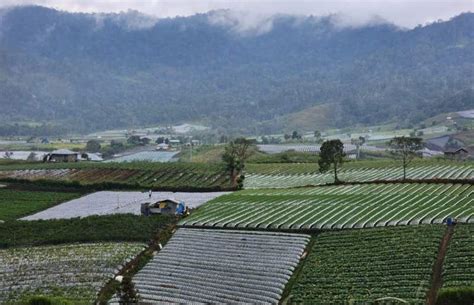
100 71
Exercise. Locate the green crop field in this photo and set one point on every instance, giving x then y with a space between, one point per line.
293 175
336 207
122 227
18 203
459 264
163 176
361 266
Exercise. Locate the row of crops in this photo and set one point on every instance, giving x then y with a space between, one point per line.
169 178
221 267
458 268
362 266
75 272
276 179
337 207
16 203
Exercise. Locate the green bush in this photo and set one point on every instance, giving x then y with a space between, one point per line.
43 300
40 300
456 296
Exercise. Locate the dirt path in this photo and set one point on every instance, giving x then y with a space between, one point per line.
437 280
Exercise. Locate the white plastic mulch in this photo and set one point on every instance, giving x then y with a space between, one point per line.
107 202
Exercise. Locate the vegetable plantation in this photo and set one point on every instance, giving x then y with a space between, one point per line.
173 176
458 268
75 272
278 176
337 207
121 227
361 266
18 203
221 266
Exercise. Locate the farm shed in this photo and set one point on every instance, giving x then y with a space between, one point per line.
162 146
61 155
91 157
174 143
165 206
457 154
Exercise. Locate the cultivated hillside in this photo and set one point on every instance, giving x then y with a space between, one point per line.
98 71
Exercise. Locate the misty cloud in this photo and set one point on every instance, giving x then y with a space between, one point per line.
257 15
242 22
130 20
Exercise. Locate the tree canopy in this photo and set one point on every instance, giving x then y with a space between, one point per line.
404 150
235 155
331 154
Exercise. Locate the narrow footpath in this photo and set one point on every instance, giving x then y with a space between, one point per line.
437 279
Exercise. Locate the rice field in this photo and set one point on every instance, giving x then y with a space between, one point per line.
277 177
338 207
75 272
221 267
107 202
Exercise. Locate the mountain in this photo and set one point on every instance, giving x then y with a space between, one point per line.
86 72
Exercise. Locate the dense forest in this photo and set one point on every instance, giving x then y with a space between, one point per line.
86 72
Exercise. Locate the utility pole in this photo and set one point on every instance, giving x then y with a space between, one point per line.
191 149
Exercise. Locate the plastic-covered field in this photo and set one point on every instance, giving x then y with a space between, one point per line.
106 202
153 156
221 266
361 266
338 207
278 179
76 272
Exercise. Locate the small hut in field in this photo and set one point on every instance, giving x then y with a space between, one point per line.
61 155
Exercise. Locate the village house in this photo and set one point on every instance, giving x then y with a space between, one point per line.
61 155
457 154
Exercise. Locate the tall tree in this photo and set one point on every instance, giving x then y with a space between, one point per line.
404 150
93 146
358 143
318 137
332 154
235 155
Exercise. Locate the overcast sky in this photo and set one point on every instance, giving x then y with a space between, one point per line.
406 13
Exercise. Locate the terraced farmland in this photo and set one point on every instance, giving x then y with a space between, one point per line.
284 176
75 272
221 266
361 266
162 176
337 207
458 268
